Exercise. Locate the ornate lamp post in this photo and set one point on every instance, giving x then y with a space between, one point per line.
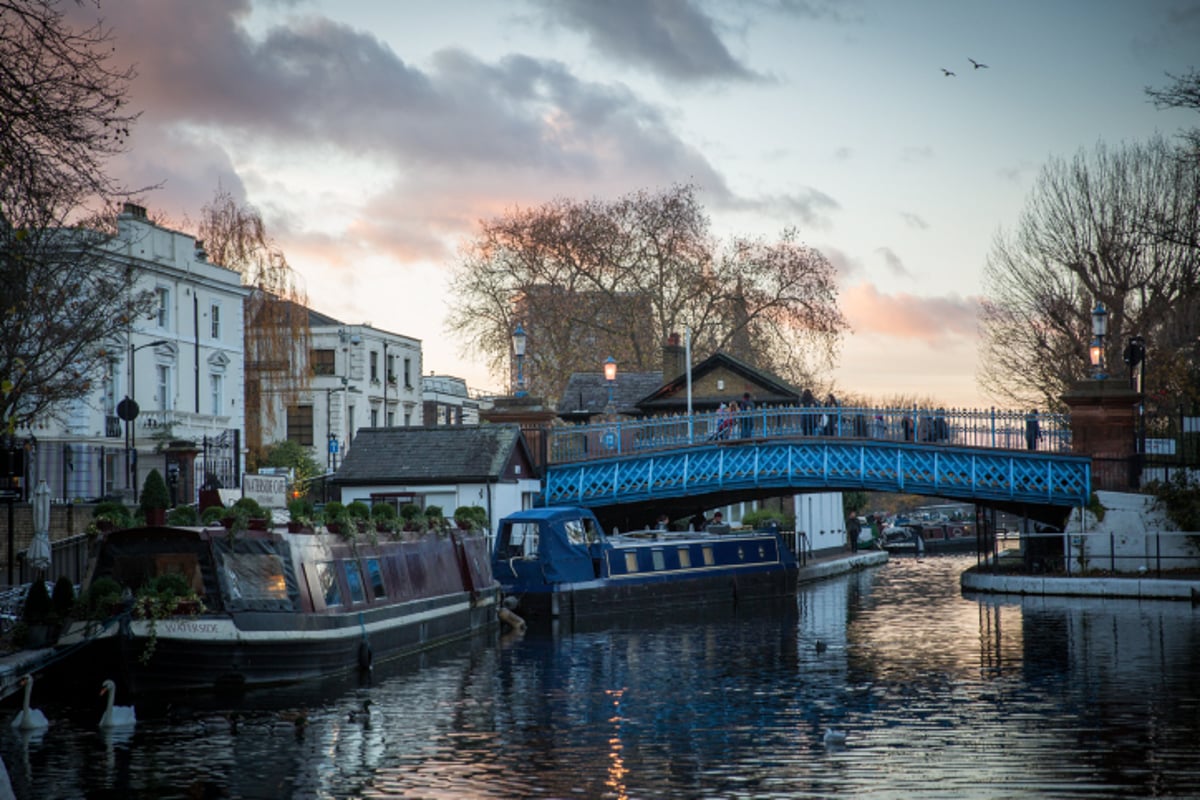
518 341
1099 331
610 375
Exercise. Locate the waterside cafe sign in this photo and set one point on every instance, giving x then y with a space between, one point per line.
269 491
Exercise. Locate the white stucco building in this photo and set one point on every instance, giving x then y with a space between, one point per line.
182 366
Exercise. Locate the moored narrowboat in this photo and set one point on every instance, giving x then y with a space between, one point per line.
557 562
269 608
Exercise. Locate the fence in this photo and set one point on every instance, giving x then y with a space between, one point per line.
1153 554
989 428
67 557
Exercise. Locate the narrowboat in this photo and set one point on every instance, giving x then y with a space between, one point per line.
557 562
269 608
921 538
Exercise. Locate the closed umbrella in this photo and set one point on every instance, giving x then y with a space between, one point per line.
38 554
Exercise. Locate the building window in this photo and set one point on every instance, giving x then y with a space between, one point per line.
391 418
350 429
374 367
323 362
217 382
300 425
164 305
374 417
407 373
162 392
389 366
214 314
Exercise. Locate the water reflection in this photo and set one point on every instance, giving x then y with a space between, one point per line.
939 695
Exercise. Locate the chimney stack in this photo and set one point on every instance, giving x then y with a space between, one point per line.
673 359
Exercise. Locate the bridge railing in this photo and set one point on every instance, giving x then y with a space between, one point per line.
984 428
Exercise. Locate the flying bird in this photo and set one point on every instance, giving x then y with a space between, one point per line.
947 73
976 64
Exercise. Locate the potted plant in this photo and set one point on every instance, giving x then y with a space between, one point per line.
335 516
300 513
434 519
110 515
183 516
359 514
101 600
63 597
163 596
37 614
155 499
384 517
213 515
412 518
257 518
470 518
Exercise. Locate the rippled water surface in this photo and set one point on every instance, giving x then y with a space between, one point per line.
939 696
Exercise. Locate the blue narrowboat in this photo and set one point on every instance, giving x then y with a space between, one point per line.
557 562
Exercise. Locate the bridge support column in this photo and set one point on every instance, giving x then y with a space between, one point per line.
1104 417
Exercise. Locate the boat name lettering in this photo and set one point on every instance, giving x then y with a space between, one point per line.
189 627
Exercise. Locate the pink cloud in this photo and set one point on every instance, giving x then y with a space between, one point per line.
907 316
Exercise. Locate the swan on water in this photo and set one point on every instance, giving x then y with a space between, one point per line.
115 716
834 737
29 719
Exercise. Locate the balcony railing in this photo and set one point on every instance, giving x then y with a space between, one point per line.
113 428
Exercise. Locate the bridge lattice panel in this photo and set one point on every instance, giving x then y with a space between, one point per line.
1034 477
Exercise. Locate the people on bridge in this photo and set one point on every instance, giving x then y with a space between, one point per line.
747 418
829 420
808 417
1033 431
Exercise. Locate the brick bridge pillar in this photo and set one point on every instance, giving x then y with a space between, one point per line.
533 417
1104 426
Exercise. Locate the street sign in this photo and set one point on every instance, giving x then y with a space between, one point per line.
127 409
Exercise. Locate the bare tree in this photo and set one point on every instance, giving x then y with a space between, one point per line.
277 335
1088 235
1183 93
590 279
63 113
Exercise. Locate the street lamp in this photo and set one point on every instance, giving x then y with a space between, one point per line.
127 410
1099 331
518 341
610 375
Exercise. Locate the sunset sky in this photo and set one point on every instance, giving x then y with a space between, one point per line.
374 135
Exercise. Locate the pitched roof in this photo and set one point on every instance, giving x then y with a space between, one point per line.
588 392
433 454
771 387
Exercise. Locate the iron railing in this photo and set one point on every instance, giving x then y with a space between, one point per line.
987 428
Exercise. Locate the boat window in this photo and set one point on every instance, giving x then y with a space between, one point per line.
575 531
355 582
685 557
631 564
591 534
659 561
708 556
522 540
375 574
329 585
250 577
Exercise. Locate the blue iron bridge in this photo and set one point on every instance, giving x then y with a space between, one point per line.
975 456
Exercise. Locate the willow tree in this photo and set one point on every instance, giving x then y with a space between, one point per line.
277 335
592 279
1091 233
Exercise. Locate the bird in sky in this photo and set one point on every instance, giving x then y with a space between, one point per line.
947 73
976 64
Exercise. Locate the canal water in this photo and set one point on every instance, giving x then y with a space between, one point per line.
939 696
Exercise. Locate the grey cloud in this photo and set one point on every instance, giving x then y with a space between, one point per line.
809 205
914 220
673 38
893 262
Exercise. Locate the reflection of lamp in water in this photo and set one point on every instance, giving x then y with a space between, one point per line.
1099 331
610 375
518 341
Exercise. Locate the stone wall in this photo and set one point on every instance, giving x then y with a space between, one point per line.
1133 537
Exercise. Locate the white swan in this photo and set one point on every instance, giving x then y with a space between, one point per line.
29 719
115 716
834 738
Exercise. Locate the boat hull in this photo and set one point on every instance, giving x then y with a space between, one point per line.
279 608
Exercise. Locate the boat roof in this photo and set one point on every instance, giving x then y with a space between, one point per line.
548 513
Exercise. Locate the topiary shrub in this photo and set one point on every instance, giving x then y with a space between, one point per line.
251 508
101 596
154 493
113 512
63 598
471 517
38 605
359 510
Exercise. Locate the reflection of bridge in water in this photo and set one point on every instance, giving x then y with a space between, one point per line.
981 457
